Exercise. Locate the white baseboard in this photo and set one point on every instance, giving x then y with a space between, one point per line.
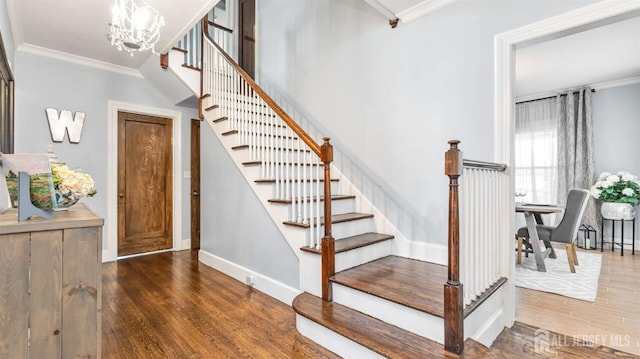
269 286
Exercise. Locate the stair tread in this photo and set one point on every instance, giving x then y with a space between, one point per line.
272 180
335 197
256 163
243 147
353 242
233 132
374 334
336 218
405 281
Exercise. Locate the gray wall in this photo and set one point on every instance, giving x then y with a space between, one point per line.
392 98
235 225
616 126
43 82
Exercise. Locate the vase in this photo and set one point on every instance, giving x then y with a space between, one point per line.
614 210
64 201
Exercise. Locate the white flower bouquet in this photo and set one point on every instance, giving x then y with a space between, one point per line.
622 187
71 185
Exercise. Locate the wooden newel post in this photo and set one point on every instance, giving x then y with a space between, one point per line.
164 61
453 295
328 243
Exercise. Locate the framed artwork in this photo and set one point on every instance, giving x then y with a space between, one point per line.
37 166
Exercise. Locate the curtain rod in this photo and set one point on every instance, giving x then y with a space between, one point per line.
548 97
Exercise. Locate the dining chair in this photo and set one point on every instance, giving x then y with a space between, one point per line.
567 230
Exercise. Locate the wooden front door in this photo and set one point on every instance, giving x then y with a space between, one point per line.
145 198
247 36
195 184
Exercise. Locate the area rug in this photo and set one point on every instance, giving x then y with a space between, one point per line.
558 279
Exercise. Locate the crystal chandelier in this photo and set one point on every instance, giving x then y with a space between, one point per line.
135 27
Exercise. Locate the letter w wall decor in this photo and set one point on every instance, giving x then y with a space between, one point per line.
65 122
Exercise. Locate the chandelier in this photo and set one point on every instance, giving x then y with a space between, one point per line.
135 27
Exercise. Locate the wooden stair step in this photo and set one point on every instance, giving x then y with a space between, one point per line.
257 163
226 118
336 218
378 336
244 147
192 67
233 132
272 180
334 197
353 242
211 108
405 281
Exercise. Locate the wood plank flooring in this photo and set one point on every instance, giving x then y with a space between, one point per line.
613 319
170 306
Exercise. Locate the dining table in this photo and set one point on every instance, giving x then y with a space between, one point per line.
532 215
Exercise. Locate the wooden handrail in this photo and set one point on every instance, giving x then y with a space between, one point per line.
268 100
324 152
220 27
500 167
453 290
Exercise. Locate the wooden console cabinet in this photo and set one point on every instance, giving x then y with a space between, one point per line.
50 285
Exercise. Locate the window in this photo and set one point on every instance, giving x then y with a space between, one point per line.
536 160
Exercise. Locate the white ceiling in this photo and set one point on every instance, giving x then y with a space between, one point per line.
602 56
80 27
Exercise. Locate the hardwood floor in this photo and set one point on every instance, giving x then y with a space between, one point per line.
170 306
613 319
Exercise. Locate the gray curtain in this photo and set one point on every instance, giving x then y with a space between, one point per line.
575 147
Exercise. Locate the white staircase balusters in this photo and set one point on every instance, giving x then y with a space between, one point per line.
480 191
284 157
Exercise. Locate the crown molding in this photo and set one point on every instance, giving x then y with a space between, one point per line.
80 60
424 8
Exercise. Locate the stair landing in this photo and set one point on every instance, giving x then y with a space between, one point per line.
409 282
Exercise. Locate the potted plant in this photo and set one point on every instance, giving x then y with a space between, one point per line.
70 185
619 193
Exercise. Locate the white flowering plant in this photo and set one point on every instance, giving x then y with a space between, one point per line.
72 182
622 187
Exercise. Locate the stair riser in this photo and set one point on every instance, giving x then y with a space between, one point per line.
287 172
333 341
352 228
345 229
409 319
358 256
267 141
337 207
279 154
285 191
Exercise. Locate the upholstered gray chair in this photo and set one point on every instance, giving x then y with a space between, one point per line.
567 230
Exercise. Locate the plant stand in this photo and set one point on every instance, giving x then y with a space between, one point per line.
613 233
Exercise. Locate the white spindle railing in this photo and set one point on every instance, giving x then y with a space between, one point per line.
191 44
480 195
293 166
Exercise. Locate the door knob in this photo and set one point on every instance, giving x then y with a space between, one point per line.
121 195
195 193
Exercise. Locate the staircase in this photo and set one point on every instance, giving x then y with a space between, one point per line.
372 301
